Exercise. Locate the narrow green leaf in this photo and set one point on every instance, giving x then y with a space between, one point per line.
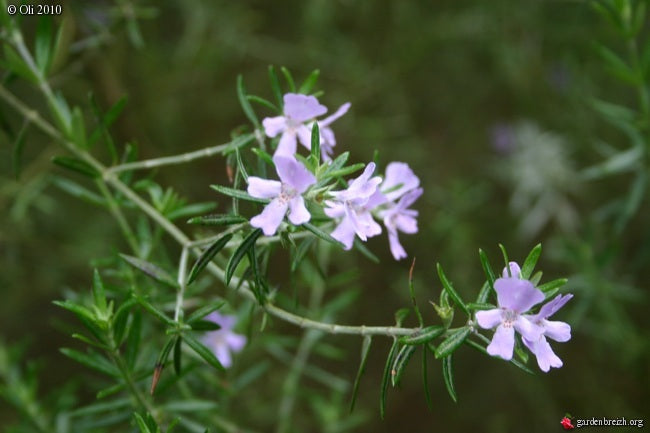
308 85
99 294
385 378
633 200
258 286
361 247
505 259
531 261
17 65
425 379
321 234
96 408
400 363
153 271
133 339
205 325
240 252
120 319
275 87
264 102
191 209
167 348
480 306
77 165
347 170
484 293
264 156
91 360
620 162
236 193
19 145
489 273
289 78
203 351
315 143
616 65
155 312
78 191
448 375
43 43
401 315
78 129
217 220
245 105
79 310
204 311
142 425
452 342
423 336
412 293
547 287
365 350
207 256
300 253
178 353
450 289
478 347
90 342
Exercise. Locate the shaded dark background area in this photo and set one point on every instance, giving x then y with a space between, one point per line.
430 83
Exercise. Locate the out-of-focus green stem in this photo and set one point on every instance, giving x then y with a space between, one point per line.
119 217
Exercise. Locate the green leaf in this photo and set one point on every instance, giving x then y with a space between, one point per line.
484 293
236 193
205 325
43 44
308 85
450 289
207 256
264 156
633 200
620 162
365 350
480 306
452 342
75 164
547 287
347 170
384 379
155 312
204 311
217 220
167 348
99 294
78 191
482 349
617 66
264 102
203 351
178 355
361 247
79 310
191 209
423 336
120 319
399 365
19 145
133 340
92 360
289 78
245 105
448 376
530 262
104 121
258 286
240 252
142 425
16 64
153 271
416 310
275 87
78 128
425 380
505 259
315 143
321 234
300 253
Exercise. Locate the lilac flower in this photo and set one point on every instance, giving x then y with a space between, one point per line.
400 217
399 180
223 341
295 179
299 109
555 330
515 296
327 139
353 205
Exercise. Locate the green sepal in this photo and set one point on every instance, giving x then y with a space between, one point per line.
207 256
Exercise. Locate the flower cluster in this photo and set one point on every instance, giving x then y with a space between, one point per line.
355 208
516 296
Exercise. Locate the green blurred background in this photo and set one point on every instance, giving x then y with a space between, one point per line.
478 97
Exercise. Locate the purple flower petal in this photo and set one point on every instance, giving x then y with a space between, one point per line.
344 233
546 358
334 209
527 329
553 306
515 270
302 107
503 343
396 248
271 217
304 135
223 355
299 213
488 319
263 188
235 342
329 119
517 295
558 331
274 125
287 145
293 173
398 173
